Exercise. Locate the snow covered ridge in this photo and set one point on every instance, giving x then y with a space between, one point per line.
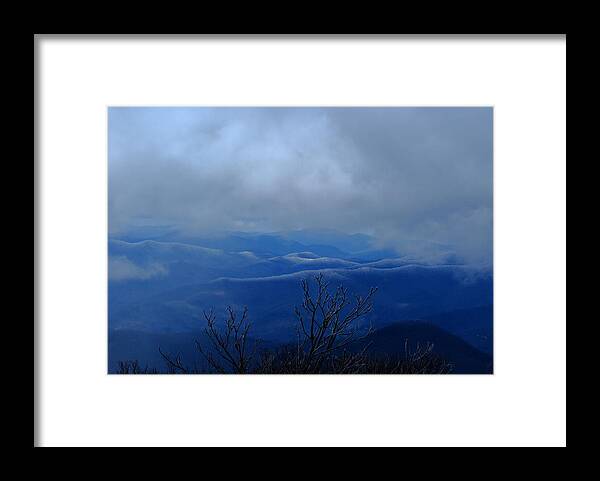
311 258
462 273
161 246
151 260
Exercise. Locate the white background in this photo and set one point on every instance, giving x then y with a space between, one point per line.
522 404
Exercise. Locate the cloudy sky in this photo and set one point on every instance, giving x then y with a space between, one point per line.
412 177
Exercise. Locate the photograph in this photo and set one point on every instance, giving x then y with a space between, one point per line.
300 240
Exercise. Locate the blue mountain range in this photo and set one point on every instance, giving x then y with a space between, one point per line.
160 281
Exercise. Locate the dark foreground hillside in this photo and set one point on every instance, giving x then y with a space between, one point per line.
475 325
465 359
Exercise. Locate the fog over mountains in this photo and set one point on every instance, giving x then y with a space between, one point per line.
217 207
415 179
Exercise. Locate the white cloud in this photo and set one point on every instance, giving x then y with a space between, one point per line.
121 269
413 177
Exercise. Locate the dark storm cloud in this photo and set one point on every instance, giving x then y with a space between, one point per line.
418 179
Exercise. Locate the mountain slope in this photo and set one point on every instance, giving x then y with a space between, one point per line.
475 325
391 340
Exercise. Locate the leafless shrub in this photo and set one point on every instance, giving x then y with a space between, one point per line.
231 345
421 360
328 323
174 363
228 350
133 367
